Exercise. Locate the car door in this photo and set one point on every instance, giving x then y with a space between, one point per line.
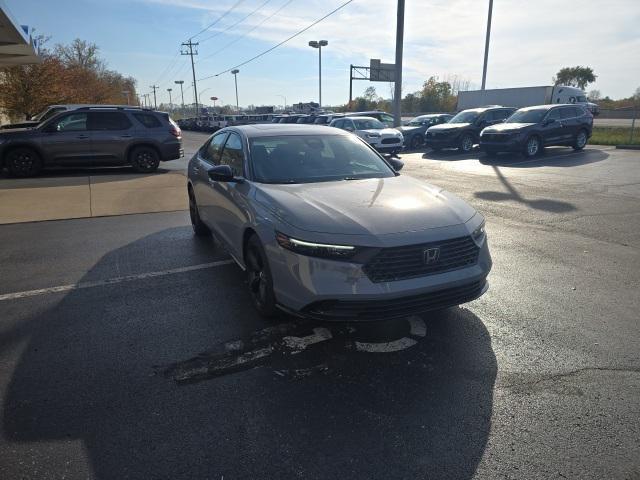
551 129
206 158
230 207
66 140
111 136
570 123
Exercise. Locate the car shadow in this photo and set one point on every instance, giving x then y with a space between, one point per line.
450 154
89 372
550 157
512 194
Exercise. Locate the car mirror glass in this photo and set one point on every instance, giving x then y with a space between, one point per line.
396 164
221 173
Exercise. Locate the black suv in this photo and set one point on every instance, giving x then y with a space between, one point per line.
530 129
463 130
93 136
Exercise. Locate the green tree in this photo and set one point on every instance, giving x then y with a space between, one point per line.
575 77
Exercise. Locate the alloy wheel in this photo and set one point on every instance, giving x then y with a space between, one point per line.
533 146
581 141
257 277
467 143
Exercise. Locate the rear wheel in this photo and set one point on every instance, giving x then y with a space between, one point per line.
416 141
144 159
259 278
199 228
466 144
23 162
581 140
532 147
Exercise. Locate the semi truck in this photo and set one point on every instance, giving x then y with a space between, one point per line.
524 97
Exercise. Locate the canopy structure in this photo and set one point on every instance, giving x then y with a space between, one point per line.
16 45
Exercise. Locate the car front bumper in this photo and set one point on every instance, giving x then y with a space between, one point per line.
506 145
336 290
448 141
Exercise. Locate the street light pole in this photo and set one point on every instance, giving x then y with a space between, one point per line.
397 95
486 46
235 76
170 102
285 101
319 44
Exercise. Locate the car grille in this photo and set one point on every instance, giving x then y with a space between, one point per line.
495 137
386 141
400 263
350 310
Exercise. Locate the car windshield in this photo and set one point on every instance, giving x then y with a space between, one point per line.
527 116
465 117
418 121
314 158
368 124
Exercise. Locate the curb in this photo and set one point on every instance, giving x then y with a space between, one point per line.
628 147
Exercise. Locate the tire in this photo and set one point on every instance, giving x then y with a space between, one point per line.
581 140
532 147
259 278
415 142
199 228
23 162
466 143
144 159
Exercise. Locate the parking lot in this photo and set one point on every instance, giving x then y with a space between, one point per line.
129 348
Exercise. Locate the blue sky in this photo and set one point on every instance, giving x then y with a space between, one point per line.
531 40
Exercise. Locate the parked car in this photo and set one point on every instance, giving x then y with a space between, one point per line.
372 131
463 130
379 115
325 119
49 112
306 119
413 131
93 136
286 201
531 129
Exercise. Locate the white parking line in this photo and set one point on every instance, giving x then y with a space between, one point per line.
111 281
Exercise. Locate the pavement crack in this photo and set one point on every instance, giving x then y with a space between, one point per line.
561 375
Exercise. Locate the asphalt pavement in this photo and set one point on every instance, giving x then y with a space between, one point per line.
129 349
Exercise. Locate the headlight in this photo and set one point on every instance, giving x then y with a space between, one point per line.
479 234
373 135
312 249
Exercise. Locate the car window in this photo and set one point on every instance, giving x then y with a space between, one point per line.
367 124
501 114
75 122
339 124
554 114
314 158
148 120
567 112
109 121
388 119
233 155
49 113
211 152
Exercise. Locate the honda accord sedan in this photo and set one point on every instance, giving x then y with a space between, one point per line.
327 228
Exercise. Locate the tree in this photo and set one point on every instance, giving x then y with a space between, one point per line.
575 77
636 95
594 95
370 94
80 54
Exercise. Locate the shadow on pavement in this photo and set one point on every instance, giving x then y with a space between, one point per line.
88 372
551 157
549 205
451 154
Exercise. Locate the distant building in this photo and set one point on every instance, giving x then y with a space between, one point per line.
310 107
263 110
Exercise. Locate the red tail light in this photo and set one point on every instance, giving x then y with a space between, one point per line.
175 131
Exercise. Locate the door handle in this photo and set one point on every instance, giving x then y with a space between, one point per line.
126 136
82 136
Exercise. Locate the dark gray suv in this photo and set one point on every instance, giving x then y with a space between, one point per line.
93 136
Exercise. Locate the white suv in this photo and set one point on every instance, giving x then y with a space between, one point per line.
372 131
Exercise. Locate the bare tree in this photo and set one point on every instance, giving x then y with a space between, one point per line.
80 53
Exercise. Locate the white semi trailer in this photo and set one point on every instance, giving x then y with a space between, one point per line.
524 97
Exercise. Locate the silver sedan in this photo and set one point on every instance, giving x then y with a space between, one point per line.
327 228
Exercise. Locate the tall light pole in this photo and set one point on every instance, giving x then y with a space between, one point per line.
397 93
235 76
181 82
319 44
170 102
486 46
285 101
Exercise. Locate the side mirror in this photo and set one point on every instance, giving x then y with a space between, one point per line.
549 121
221 173
396 164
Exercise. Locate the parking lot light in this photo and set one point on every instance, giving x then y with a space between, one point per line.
235 76
319 44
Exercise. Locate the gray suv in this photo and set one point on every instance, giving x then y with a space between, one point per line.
93 136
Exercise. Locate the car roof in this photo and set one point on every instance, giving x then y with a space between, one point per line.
275 129
548 106
431 115
362 117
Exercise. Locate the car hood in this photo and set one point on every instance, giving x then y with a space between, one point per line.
375 206
25 124
506 127
445 127
385 132
14 132
410 128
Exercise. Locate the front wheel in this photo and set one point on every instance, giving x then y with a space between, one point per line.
416 141
259 278
581 140
23 162
532 147
144 159
466 144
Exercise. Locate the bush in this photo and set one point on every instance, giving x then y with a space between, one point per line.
614 136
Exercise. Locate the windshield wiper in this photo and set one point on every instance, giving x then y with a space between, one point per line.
351 178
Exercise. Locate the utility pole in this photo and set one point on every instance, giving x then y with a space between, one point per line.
486 46
155 103
170 102
191 53
181 82
235 76
397 96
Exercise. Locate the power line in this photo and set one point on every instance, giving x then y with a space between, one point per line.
281 43
171 64
248 31
231 9
234 24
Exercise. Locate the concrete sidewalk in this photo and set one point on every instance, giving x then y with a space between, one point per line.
79 196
